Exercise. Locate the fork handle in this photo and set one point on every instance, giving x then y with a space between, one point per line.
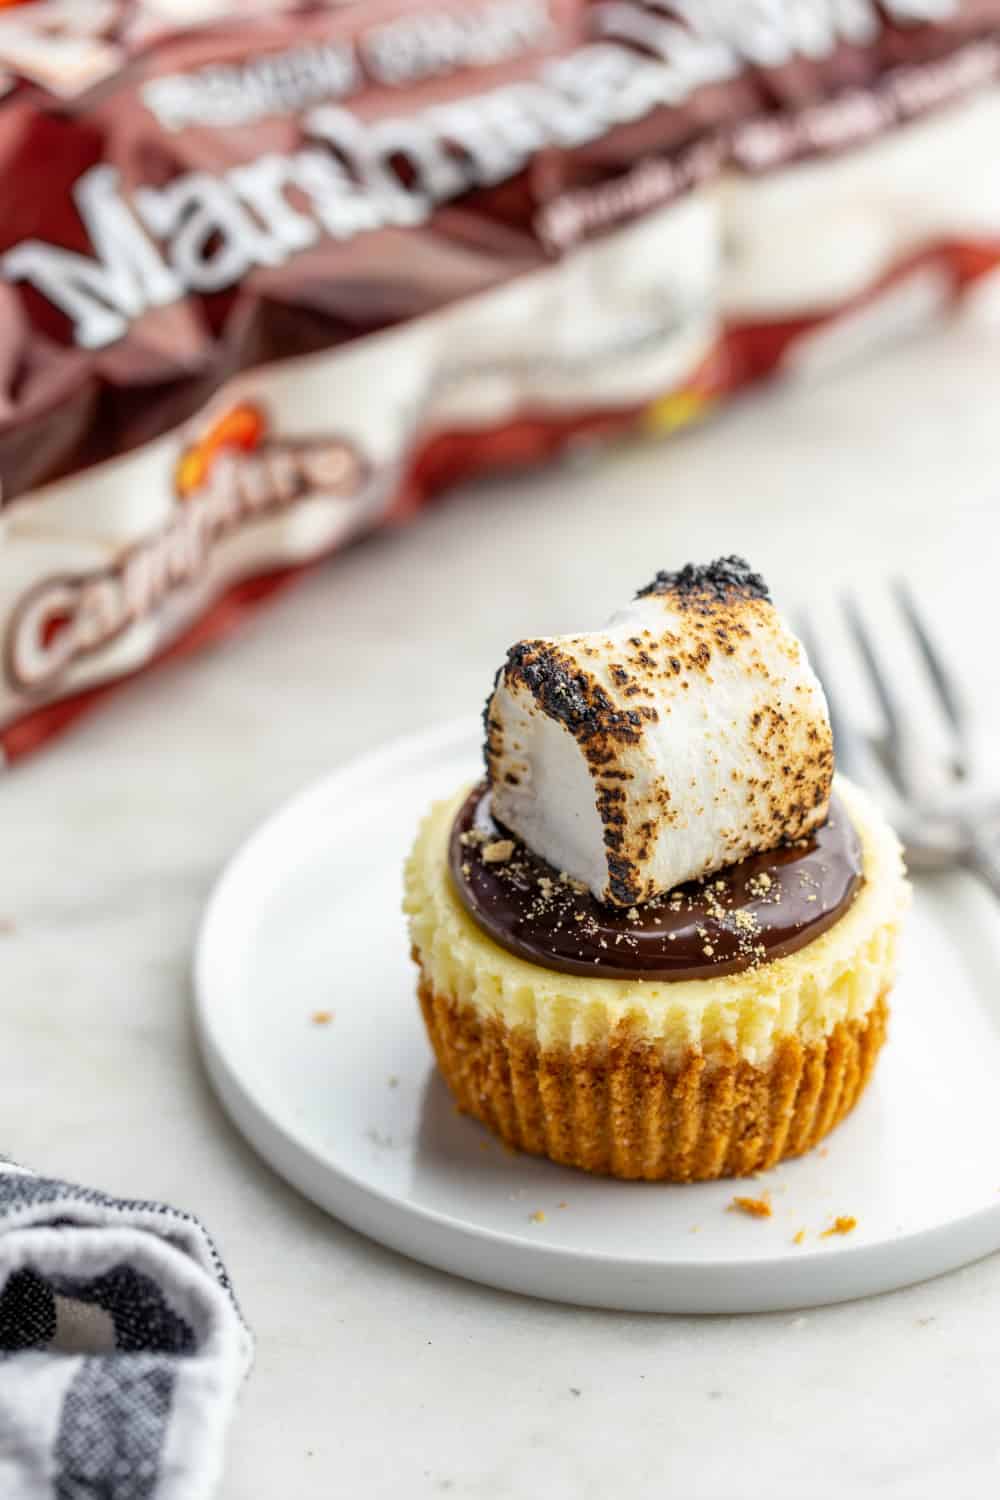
982 857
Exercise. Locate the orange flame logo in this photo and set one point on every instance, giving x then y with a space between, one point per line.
238 430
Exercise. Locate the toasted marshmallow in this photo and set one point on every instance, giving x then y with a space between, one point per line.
687 734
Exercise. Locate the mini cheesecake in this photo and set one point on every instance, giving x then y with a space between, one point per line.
689 1000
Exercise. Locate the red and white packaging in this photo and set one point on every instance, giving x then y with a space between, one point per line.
269 279
289 275
861 192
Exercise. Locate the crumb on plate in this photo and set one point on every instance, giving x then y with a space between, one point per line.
843 1224
756 1208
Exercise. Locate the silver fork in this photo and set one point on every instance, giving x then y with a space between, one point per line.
942 805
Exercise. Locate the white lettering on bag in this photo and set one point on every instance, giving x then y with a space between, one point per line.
66 619
203 232
101 294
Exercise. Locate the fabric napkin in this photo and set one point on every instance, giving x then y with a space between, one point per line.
121 1347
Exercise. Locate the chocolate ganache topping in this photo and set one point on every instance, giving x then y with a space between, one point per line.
752 912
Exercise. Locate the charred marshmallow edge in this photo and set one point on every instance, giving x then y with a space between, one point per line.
688 734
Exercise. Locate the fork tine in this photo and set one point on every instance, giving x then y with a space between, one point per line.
921 772
838 725
845 743
941 678
852 752
879 681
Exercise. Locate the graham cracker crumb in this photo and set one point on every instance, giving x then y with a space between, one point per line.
757 1208
843 1224
538 1217
322 1017
498 852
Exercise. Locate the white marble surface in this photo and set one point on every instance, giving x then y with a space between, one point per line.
375 1377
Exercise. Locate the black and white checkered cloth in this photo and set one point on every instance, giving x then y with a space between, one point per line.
121 1347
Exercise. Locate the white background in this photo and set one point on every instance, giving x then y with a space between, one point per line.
375 1377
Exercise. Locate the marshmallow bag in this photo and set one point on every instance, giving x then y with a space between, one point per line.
295 271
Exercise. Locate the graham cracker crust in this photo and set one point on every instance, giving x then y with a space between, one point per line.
619 1111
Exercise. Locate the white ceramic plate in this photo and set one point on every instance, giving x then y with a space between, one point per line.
307 919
